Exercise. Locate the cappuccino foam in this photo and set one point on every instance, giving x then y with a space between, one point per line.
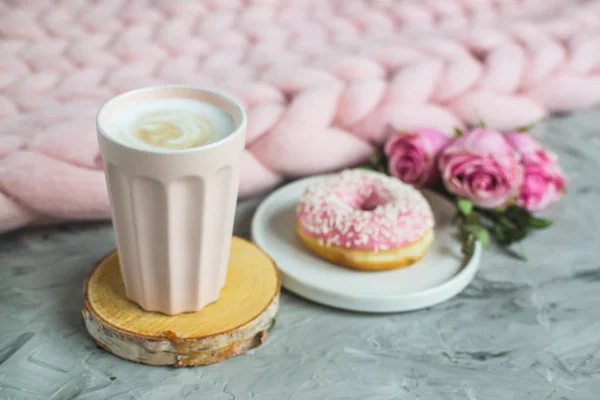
170 124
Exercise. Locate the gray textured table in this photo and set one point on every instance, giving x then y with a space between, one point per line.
519 331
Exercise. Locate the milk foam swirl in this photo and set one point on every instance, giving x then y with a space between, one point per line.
171 124
171 129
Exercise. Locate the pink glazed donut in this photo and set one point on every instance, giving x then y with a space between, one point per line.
365 220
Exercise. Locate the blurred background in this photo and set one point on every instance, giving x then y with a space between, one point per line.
323 81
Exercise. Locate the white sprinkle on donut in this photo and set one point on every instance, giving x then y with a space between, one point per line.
364 210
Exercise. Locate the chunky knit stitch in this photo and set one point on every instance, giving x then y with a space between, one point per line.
321 80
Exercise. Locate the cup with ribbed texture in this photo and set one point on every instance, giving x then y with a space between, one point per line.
172 210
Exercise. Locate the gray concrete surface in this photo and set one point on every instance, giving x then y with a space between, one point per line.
519 331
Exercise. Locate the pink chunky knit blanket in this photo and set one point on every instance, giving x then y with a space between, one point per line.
321 79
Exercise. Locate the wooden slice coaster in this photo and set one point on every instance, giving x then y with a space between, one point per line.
234 324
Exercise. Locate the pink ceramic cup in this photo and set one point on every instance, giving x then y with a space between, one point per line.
173 210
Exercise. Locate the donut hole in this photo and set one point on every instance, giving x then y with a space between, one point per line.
372 201
363 201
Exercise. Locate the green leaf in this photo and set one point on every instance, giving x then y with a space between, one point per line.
367 167
517 235
464 206
482 123
506 223
375 158
484 237
473 218
499 234
458 132
539 223
506 231
519 216
480 234
526 128
523 254
468 244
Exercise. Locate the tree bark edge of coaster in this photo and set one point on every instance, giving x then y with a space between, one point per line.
122 328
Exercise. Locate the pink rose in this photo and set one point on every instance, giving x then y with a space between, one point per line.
412 157
544 181
481 166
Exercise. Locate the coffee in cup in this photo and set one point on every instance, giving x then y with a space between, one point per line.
170 124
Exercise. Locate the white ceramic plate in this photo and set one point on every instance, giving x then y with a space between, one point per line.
439 276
